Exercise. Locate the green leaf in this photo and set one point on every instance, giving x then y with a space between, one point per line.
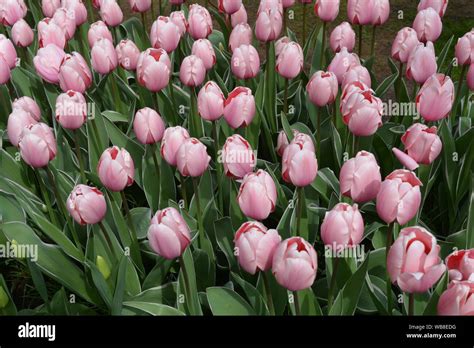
225 238
431 307
188 287
119 287
224 301
153 308
254 297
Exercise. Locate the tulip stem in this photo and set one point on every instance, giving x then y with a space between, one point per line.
79 157
45 195
372 45
107 238
332 286
411 304
389 282
183 191
297 303
90 10
304 25
173 102
199 212
299 209
133 234
360 40
157 170
268 291
143 15
195 119
458 94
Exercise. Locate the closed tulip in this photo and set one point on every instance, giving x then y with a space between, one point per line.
360 177
343 227
413 261
356 73
11 11
229 6
295 264
37 145
438 5
290 62
256 245
380 12
422 143
299 164
287 3
199 22
268 25
422 63
326 10
240 35
245 62
48 62
257 195
169 234
86 205
362 113
148 126
29 105
238 157
165 34
203 49
127 54
458 299
49 7
404 44
192 158
192 72
399 197
5 73
342 62
342 36
179 19
239 107
461 265
78 8
22 34
239 17
103 57
111 13
7 51
428 25
116 169
98 30
360 11
173 138
270 5
153 69
435 98
64 19
18 120
465 49
50 33
211 102
71 110
140 5
74 73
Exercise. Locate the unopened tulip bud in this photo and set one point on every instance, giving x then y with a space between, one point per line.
86 205
116 169
192 158
71 110
37 145
173 138
148 126
239 107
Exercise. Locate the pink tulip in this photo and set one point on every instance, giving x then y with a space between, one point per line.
165 34
148 126
7 51
179 19
342 62
255 245
154 69
435 98
326 10
173 138
127 54
11 11
280 44
295 264
362 113
49 7
342 36
269 24
86 205
356 73
71 110
64 19
360 177
48 62
404 44
413 261
399 197
245 62
78 8
322 88
239 17
192 72
287 3
103 57
282 141
203 49
229 6
458 299
343 227
111 13
50 33
5 73
465 49
422 143
74 73
199 22
37 145
360 11
211 102
461 265
98 30
18 120
169 234
407 162
240 35
192 158
257 195
470 77
29 105
380 12
238 157
349 89
299 164
270 5
22 35
239 107
438 5
290 62
116 169
428 25
140 5
422 63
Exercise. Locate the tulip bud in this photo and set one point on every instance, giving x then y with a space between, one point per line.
154 69
422 143
270 5
50 33
342 36
343 227
295 264
98 30
17 121
111 13
356 73
103 56
192 158
257 195
211 102
287 3
360 11
256 246
64 19
169 234
458 299
404 44
465 49
116 169
8 51
269 24
380 12
326 10
165 34
238 157
78 8
438 5
245 62
103 267
203 49
29 105
422 63
342 62
413 261
199 21
140 5
22 34
240 35
239 107
148 126
322 88
229 6
173 138
127 54
49 7
362 113
291 60
74 73
11 11
239 17
71 110
192 72
299 164
86 205
37 145
461 265
428 25
48 61
435 98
